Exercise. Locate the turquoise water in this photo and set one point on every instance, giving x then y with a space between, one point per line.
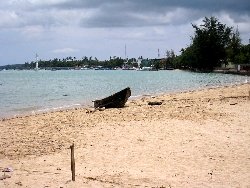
25 92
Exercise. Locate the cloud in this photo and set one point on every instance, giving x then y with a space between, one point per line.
65 50
9 19
33 32
102 27
114 13
148 5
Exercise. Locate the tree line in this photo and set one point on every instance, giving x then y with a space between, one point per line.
69 62
84 62
213 45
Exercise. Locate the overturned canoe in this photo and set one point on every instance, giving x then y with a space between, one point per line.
116 100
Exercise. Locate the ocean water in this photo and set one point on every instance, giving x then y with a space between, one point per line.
25 92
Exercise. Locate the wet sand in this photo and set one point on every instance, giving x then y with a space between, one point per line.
193 139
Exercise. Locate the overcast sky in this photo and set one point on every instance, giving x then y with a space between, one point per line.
102 28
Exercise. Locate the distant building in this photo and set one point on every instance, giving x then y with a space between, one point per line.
139 61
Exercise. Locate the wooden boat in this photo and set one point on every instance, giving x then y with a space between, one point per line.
116 100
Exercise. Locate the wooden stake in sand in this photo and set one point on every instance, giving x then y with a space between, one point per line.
72 162
249 94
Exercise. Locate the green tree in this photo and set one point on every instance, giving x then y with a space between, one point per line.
187 60
208 48
234 48
244 55
170 55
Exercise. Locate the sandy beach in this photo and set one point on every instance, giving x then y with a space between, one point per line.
193 139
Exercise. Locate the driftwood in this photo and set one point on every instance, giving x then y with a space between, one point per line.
154 103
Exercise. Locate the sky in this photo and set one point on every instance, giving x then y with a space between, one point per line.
102 28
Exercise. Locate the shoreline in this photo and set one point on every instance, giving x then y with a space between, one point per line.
23 99
89 104
195 138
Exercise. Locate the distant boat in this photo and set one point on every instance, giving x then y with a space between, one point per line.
148 69
116 100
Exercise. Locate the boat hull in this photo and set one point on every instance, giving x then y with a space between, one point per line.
116 100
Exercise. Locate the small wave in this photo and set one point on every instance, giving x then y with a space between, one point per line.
135 96
58 108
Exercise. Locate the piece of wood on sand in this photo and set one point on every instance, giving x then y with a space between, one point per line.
154 103
72 162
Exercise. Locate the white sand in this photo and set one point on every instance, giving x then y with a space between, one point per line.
194 139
